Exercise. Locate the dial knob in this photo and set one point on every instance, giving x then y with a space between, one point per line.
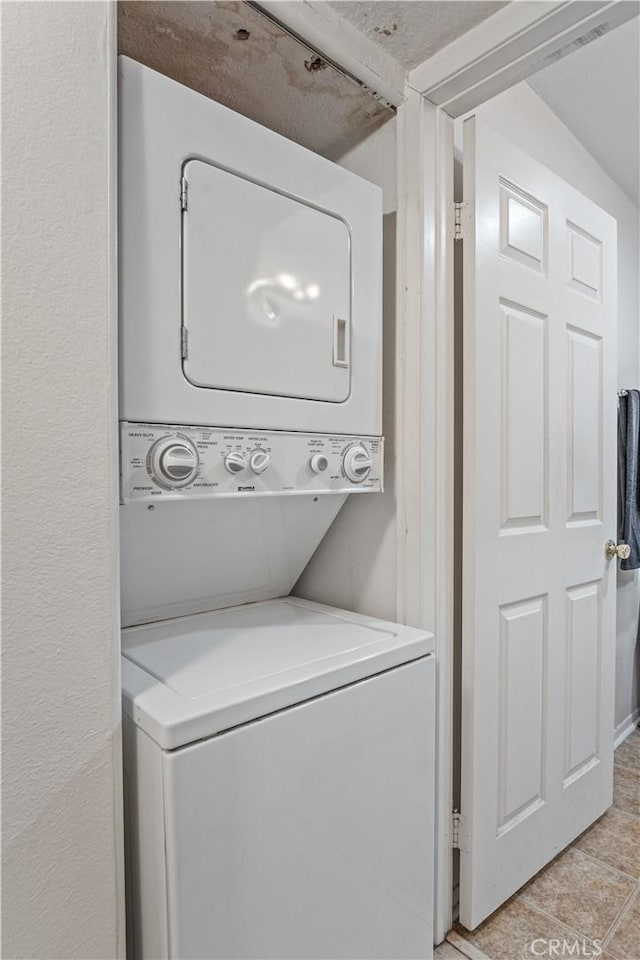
318 463
174 462
259 461
235 462
357 463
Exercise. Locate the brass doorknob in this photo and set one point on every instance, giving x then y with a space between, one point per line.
620 550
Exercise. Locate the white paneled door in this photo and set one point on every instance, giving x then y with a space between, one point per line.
540 277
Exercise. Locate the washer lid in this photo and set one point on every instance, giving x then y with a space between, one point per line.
190 678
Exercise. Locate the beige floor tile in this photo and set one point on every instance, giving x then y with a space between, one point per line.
615 840
509 934
580 892
446 951
626 789
628 753
624 943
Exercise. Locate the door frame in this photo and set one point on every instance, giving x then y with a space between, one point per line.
425 431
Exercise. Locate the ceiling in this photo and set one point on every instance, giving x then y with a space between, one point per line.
596 94
232 53
411 31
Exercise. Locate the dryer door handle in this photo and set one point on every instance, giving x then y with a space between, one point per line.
341 345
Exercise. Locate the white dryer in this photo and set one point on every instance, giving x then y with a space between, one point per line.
279 785
250 271
250 318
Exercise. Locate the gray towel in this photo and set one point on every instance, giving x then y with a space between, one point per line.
628 476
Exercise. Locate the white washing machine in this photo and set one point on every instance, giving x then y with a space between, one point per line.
279 785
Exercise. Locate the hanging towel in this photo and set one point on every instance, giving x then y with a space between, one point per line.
628 476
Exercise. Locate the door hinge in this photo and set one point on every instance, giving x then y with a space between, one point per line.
458 232
184 342
456 818
184 191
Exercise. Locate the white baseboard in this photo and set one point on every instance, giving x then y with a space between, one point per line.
626 728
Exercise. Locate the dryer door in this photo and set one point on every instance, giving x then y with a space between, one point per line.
266 290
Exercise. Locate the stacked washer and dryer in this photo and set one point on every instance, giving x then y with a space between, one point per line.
279 753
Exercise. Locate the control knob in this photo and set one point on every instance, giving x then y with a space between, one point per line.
235 462
357 463
318 463
174 462
259 461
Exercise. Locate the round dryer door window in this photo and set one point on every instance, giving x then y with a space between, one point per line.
266 290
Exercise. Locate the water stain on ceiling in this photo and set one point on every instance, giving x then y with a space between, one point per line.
232 53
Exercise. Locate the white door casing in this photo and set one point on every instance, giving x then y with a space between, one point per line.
540 275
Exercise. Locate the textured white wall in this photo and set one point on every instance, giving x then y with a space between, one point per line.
522 116
61 806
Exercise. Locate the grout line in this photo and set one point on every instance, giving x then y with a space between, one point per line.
560 923
624 766
465 947
621 912
616 923
624 813
616 870
619 916
445 942
636 816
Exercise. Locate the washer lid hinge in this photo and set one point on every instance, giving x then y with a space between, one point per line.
184 188
458 229
184 342
456 820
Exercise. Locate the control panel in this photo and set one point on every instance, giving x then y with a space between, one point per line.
176 462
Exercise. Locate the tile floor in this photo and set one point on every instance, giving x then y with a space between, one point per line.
588 896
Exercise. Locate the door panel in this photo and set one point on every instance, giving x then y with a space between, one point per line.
583 434
524 375
582 678
539 503
523 227
523 641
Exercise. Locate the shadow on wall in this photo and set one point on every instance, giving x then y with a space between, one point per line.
44 874
628 644
351 567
